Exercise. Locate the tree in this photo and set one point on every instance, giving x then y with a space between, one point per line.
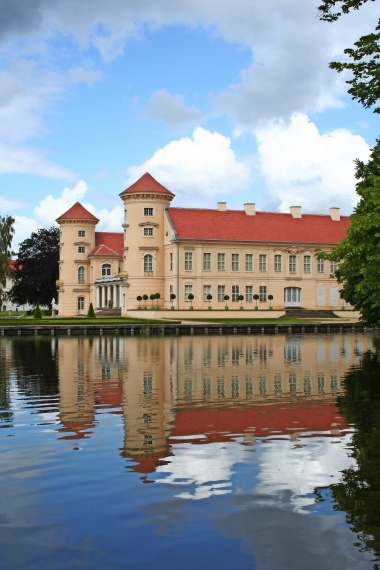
270 297
226 298
145 297
191 297
139 299
37 312
365 57
358 255
256 297
91 312
6 234
209 299
241 299
172 297
36 268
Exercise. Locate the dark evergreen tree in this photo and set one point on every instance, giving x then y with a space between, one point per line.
36 268
91 312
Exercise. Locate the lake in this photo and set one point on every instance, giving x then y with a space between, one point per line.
190 452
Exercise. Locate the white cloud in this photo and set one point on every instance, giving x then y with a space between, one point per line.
82 75
50 208
204 164
304 168
23 227
22 159
172 109
7 205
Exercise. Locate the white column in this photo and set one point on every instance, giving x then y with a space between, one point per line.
109 298
104 291
97 289
115 303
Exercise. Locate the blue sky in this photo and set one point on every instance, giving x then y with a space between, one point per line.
218 101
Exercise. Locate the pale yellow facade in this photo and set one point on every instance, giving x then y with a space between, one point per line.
155 260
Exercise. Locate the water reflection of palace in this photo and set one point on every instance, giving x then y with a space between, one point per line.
170 389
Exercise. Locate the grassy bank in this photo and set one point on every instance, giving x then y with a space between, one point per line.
78 321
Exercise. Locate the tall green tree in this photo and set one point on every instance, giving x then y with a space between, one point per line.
364 57
36 268
6 235
358 255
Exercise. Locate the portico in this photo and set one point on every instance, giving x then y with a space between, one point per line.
108 293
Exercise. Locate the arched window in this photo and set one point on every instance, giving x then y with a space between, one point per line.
106 270
81 274
148 262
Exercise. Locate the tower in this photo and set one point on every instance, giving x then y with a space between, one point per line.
77 240
145 203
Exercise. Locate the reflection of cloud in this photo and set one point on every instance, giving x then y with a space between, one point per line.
284 468
207 467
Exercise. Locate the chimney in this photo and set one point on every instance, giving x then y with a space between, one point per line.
335 214
250 209
222 206
296 211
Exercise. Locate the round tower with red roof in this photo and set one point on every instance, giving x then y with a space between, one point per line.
77 240
145 203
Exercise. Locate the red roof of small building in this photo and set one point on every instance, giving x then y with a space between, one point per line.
108 244
236 225
77 212
146 185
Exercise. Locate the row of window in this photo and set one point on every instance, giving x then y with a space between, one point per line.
106 272
263 262
235 293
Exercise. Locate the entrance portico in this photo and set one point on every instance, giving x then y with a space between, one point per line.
108 292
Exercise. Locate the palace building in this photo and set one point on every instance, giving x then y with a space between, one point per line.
196 251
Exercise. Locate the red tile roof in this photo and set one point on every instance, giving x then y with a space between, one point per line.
236 225
147 184
77 212
108 244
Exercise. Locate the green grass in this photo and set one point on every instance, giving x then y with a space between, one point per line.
80 321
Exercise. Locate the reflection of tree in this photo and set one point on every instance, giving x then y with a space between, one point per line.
6 415
358 494
34 360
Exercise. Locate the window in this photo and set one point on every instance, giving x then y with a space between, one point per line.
307 263
171 262
206 291
80 304
207 261
148 211
80 274
106 270
171 289
81 233
235 262
263 294
278 263
235 293
148 231
188 261
221 293
81 249
221 262
321 265
148 262
249 262
248 293
292 263
334 266
262 262
188 290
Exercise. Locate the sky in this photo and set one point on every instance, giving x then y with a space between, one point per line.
218 100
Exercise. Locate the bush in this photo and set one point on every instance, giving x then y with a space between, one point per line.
37 312
91 312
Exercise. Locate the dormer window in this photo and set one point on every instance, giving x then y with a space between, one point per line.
148 232
148 211
81 233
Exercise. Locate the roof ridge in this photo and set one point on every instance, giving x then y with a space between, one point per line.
243 211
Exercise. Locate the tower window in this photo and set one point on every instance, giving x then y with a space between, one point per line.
81 233
148 231
148 211
106 270
81 249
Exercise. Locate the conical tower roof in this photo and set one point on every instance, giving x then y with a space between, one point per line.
77 212
147 185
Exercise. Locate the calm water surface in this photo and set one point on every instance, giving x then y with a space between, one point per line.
192 452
